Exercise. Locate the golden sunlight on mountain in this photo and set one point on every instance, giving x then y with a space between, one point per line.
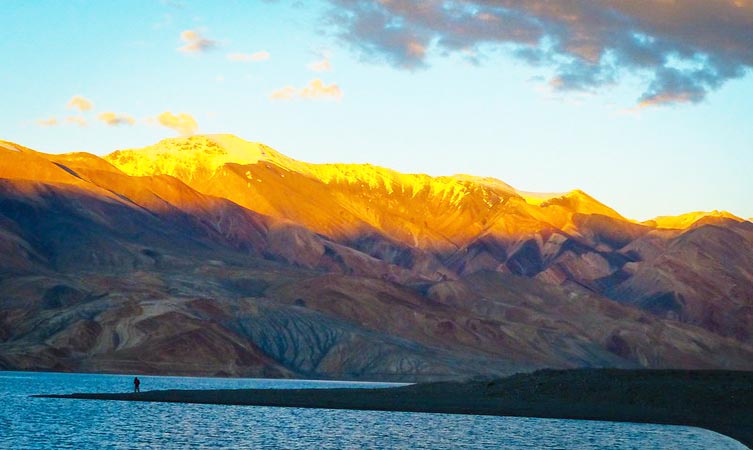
349 200
343 201
21 163
686 220
194 157
537 198
197 156
8 146
578 201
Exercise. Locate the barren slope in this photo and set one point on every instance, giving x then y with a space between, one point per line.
212 255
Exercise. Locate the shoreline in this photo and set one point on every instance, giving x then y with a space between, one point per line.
719 401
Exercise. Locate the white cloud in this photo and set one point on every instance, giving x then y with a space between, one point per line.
249 57
322 65
50 122
315 90
77 120
286 93
183 123
80 103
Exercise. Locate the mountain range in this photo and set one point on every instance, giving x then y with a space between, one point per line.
210 255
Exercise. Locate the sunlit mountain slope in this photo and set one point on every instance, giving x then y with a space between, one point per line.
349 200
687 220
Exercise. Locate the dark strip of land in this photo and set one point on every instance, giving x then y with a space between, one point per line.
721 401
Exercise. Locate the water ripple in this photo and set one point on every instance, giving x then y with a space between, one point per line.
35 423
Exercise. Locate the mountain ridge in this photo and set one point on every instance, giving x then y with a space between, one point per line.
276 267
370 174
123 161
330 182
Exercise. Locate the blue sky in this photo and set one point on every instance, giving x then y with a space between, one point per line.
415 98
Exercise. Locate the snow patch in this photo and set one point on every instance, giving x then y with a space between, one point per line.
8 147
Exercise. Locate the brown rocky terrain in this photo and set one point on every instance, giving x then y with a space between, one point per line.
214 256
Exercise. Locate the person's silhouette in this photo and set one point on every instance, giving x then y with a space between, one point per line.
136 384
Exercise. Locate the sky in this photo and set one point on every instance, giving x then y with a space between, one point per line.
646 105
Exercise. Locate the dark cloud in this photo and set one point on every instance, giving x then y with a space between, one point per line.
684 48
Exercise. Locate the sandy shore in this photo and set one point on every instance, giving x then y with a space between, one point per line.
721 401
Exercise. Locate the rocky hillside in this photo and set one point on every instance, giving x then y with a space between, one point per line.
212 255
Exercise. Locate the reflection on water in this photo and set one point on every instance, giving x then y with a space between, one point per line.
33 423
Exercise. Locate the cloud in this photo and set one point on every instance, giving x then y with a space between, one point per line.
248 57
683 49
183 123
51 122
195 42
80 103
315 90
112 119
322 65
77 120
286 93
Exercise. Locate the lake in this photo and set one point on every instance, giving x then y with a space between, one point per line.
38 423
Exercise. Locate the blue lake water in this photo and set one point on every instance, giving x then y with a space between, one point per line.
36 423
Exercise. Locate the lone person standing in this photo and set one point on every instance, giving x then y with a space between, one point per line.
136 384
